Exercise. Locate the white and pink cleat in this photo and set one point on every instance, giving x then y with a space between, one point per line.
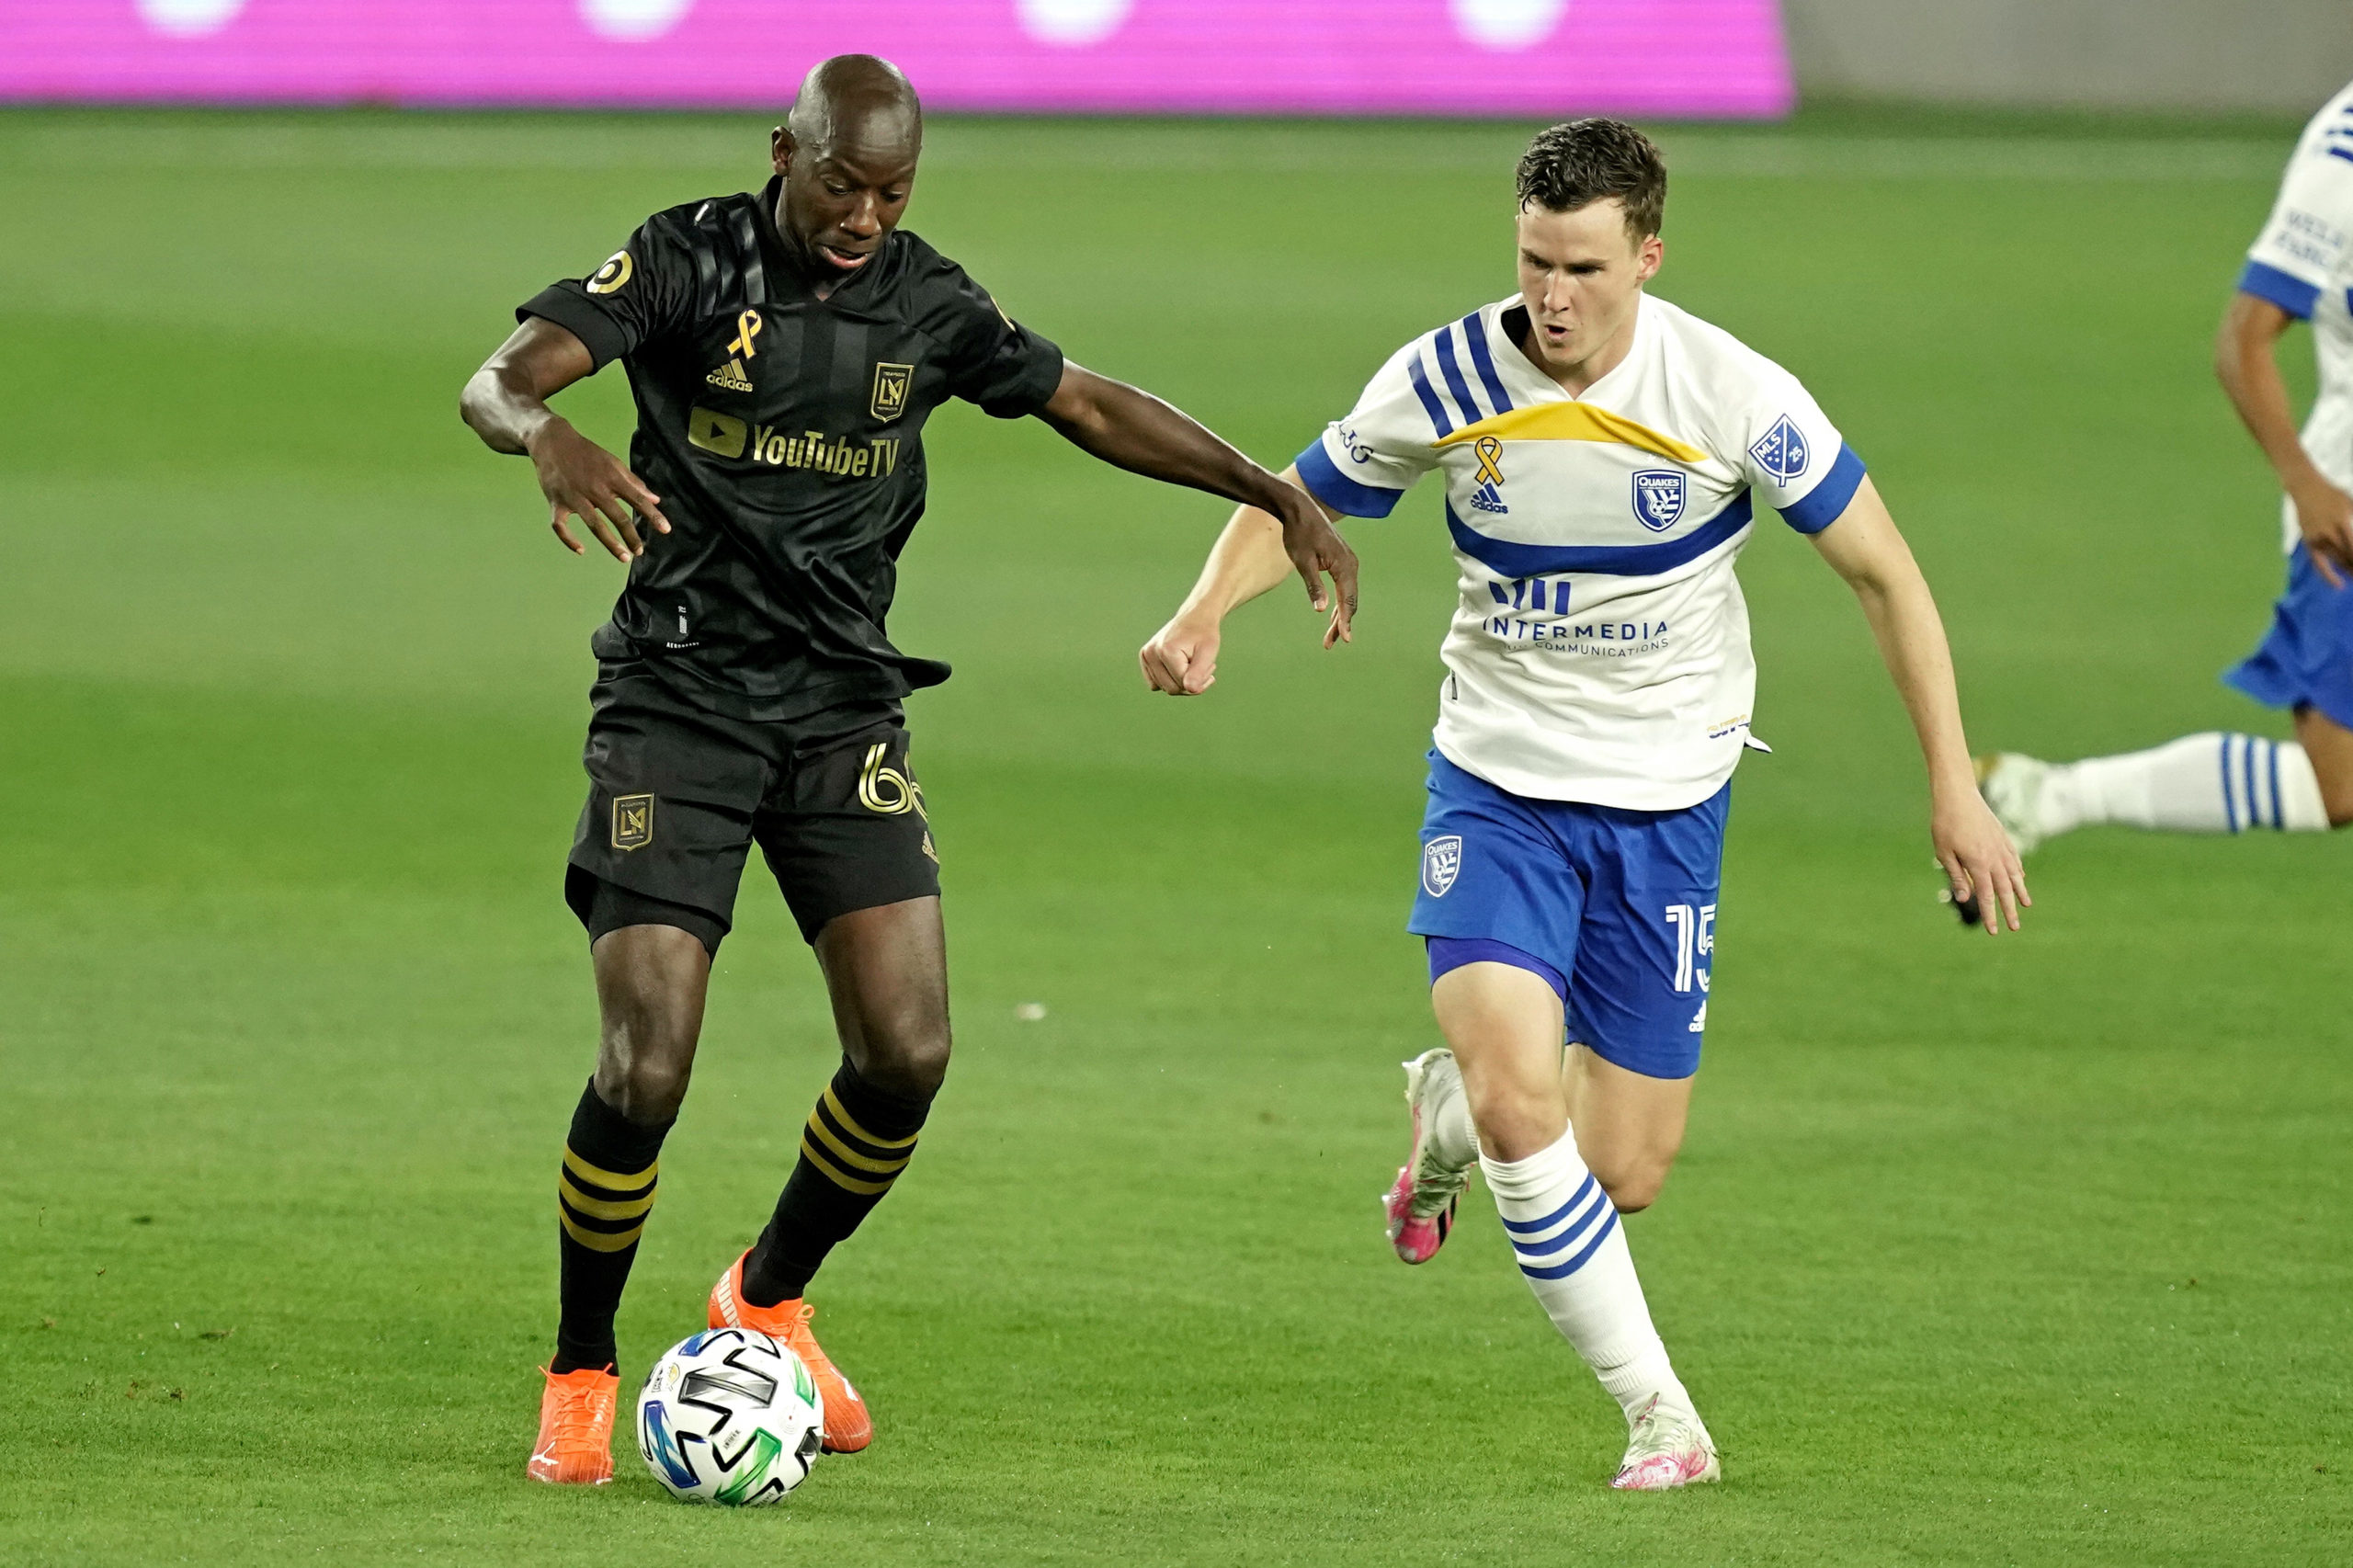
1420 1205
1667 1448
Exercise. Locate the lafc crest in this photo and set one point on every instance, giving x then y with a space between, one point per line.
890 385
633 821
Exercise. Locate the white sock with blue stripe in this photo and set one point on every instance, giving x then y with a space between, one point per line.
1568 1242
2209 783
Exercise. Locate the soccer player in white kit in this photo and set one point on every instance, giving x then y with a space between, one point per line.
1602 452
2301 269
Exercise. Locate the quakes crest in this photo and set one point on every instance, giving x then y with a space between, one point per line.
1658 498
1441 863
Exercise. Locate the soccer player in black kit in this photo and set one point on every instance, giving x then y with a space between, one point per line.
784 347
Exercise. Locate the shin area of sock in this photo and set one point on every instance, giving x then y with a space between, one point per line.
605 1189
857 1140
1567 1241
2180 786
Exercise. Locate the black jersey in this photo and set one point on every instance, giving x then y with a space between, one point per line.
784 435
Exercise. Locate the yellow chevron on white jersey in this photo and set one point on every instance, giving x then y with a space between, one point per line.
1572 421
1600 650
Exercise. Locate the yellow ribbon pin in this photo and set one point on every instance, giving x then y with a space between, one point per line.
1489 449
748 327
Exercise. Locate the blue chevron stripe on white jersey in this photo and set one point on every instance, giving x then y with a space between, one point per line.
1448 363
1611 559
1445 387
1475 336
1441 420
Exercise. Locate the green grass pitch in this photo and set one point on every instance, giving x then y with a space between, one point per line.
2022 1251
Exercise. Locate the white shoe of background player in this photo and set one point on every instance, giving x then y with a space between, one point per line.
2013 786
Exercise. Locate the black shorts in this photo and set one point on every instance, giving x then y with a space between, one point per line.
677 794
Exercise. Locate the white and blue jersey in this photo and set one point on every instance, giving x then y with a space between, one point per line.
1598 673
2302 262
1600 650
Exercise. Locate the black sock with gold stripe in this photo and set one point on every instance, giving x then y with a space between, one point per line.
604 1191
855 1144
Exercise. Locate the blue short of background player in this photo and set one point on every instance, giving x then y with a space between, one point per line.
2308 654
1615 909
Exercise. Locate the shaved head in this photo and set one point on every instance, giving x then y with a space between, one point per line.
845 157
856 101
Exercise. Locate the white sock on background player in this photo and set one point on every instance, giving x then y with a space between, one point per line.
1566 1238
2207 783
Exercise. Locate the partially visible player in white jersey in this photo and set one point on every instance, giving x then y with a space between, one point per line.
2301 269
1601 452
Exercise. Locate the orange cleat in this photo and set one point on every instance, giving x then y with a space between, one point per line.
575 1428
848 1427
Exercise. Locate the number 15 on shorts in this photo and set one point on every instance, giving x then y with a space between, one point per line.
1694 931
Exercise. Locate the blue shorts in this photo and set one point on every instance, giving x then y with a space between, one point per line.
1616 908
2308 655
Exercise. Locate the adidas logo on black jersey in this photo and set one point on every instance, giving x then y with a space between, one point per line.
731 376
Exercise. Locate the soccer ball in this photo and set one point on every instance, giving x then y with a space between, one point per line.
729 1416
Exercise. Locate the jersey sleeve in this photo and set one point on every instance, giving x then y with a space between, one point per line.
1362 464
992 360
644 290
1794 458
2303 240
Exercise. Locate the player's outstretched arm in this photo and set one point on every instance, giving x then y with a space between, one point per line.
1247 559
1864 548
507 404
1130 428
2246 363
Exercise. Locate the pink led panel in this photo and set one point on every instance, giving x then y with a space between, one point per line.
1455 57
